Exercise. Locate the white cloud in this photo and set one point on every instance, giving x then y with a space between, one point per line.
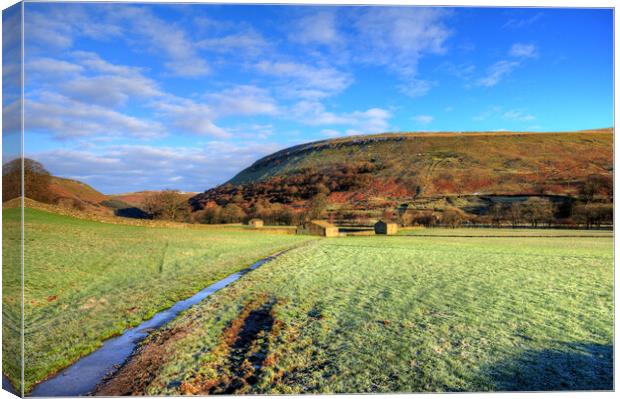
90 79
189 116
502 68
314 113
66 118
52 67
520 50
398 37
11 117
96 84
499 112
109 90
423 119
318 28
243 100
331 133
497 72
463 71
95 63
518 115
306 81
163 38
249 41
58 27
516 23
373 120
253 131
416 87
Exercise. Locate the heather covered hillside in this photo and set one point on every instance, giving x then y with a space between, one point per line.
384 171
453 163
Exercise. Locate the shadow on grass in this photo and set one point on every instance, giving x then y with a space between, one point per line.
572 367
133 212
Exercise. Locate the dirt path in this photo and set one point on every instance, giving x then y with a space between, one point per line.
243 354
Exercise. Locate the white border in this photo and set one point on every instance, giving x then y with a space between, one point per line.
458 3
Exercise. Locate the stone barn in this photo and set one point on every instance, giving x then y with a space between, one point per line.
319 228
256 223
388 228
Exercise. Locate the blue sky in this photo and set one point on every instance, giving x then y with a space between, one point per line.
132 97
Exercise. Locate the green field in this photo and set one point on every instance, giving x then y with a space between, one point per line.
397 314
86 281
504 232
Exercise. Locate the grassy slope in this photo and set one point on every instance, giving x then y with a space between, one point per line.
502 163
504 232
11 296
86 281
68 188
386 314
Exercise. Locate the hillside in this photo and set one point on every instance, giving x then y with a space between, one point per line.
366 172
137 198
76 194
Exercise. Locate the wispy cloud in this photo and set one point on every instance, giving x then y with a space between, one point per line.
498 112
248 41
516 23
316 28
188 116
58 27
502 68
497 72
164 38
518 115
463 70
416 87
423 119
66 118
242 100
521 50
398 37
306 81
372 120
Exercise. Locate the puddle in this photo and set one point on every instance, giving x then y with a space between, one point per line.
82 377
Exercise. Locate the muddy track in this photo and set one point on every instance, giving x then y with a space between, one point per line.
137 373
242 352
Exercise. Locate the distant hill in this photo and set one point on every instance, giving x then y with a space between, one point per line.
367 171
76 194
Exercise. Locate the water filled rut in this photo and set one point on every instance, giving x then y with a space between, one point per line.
83 376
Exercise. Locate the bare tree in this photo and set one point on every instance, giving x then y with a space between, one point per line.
36 180
596 186
496 214
515 213
166 204
538 210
